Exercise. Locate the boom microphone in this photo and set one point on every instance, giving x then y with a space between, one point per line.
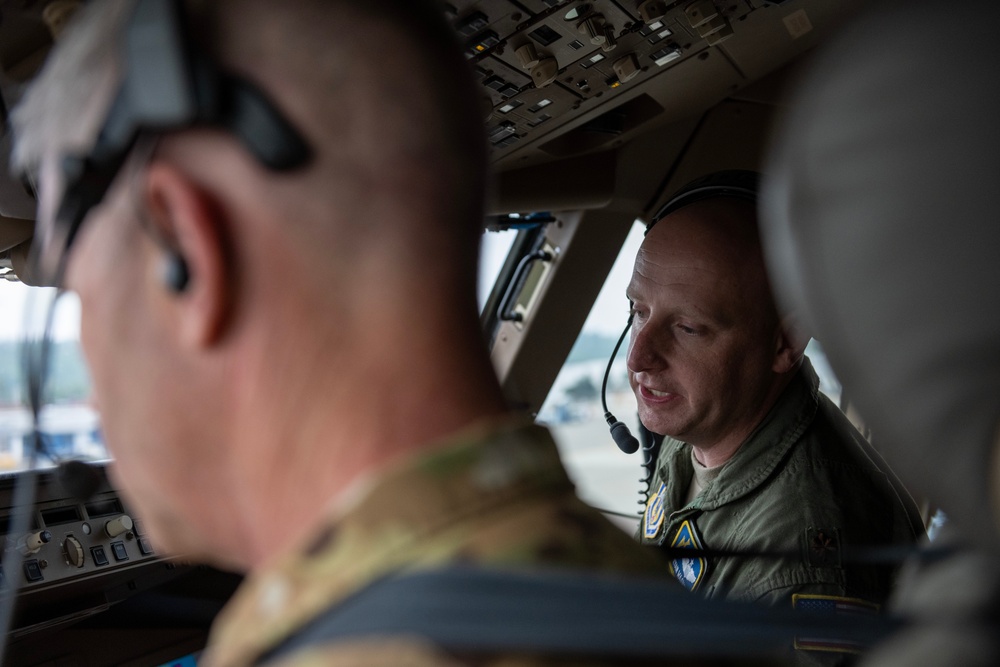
619 431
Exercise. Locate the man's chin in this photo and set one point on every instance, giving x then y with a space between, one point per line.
657 424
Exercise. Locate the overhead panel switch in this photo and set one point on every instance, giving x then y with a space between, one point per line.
652 10
543 69
666 55
545 72
593 28
626 68
501 132
483 42
705 17
527 55
701 12
610 41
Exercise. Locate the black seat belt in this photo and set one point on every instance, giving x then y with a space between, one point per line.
468 609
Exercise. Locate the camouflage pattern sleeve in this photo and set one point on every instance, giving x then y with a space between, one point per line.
494 496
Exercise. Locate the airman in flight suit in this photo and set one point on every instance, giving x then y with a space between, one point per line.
757 465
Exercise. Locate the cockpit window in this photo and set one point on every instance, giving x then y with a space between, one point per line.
605 477
70 425
493 250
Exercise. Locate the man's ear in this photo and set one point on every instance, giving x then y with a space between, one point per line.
791 341
187 221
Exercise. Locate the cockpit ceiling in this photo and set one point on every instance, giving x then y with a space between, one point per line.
563 78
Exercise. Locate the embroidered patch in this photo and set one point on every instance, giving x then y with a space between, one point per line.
823 546
832 604
689 571
654 513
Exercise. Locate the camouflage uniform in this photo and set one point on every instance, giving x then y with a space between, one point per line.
805 484
496 496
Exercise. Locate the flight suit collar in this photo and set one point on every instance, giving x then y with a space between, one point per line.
753 462
410 517
769 443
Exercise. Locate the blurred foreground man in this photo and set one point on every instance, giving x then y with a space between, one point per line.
277 271
882 230
757 461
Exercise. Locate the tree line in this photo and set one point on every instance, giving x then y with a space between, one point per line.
68 379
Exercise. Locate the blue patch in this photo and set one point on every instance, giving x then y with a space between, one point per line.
653 521
689 571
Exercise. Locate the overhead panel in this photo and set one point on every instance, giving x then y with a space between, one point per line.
484 24
640 53
551 67
579 33
502 86
541 60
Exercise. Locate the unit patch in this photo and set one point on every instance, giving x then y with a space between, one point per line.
653 518
832 604
689 571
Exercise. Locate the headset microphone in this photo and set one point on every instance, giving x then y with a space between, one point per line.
619 431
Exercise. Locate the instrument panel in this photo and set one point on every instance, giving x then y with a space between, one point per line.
78 556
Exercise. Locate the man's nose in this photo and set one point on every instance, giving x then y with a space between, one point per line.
645 350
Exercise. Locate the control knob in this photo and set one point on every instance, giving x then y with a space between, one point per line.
593 27
118 525
73 551
33 542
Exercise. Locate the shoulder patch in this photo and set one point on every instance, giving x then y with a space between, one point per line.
831 604
653 517
689 571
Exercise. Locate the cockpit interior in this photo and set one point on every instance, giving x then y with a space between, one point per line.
595 112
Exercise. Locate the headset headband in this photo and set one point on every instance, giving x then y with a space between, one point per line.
737 183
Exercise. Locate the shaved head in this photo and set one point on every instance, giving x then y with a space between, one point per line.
724 229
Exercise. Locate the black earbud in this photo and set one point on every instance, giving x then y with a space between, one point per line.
175 273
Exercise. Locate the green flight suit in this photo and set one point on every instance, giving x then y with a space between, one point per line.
805 484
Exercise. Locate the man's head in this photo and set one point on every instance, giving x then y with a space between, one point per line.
323 65
708 354
304 283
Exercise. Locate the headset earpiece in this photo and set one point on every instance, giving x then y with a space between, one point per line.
175 273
